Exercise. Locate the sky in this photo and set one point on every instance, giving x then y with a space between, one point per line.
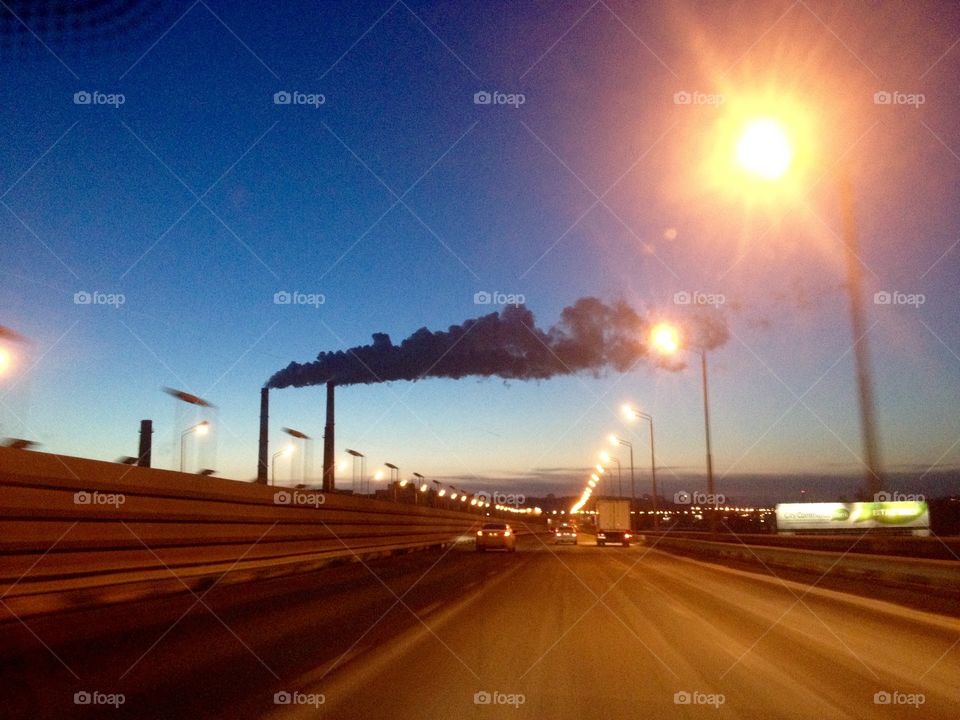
182 199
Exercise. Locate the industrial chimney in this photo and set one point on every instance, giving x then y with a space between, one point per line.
146 443
263 460
328 445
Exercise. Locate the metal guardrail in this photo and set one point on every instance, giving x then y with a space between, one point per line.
869 542
941 577
76 532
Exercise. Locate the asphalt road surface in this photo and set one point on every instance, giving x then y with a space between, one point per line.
547 632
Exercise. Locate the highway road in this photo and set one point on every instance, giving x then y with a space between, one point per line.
547 632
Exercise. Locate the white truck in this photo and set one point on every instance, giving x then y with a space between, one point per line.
613 522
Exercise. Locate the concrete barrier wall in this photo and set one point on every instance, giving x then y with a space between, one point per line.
76 532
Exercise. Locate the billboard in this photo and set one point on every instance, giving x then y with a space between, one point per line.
852 516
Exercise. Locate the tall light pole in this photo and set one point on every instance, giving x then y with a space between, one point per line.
306 440
395 478
201 428
356 455
421 487
285 450
634 413
608 458
614 440
665 338
765 151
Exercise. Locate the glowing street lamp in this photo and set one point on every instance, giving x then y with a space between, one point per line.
665 338
608 458
284 451
633 414
201 428
766 150
614 440
357 455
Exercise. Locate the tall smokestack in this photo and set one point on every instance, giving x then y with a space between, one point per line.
263 461
328 446
146 443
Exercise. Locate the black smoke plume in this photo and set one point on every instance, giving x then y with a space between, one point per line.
591 336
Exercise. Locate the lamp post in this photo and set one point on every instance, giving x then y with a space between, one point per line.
634 413
201 428
765 151
357 455
420 486
665 338
614 440
306 440
608 458
285 450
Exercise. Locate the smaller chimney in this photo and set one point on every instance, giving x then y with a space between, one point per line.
146 443
263 460
329 464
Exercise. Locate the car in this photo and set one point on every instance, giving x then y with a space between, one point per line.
493 535
564 534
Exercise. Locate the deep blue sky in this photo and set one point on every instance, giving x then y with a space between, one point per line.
494 198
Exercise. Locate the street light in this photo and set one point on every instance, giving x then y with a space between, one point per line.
201 428
357 455
306 445
631 414
285 450
765 151
665 338
614 440
608 458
